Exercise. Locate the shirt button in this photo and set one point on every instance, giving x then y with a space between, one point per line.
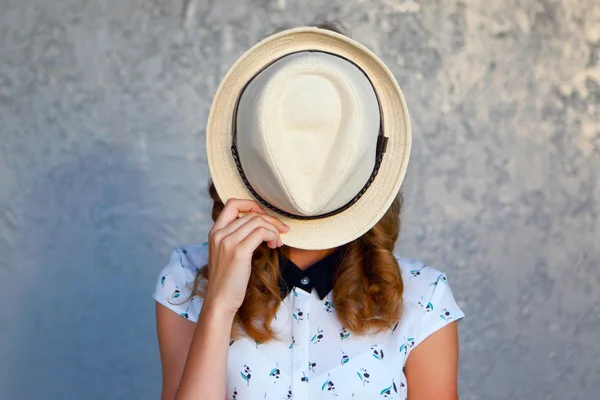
305 280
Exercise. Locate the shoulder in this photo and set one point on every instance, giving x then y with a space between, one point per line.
185 262
420 279
175 280
427 290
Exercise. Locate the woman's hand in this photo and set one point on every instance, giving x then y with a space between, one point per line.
232 241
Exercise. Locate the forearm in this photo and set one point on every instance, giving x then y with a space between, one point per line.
204 375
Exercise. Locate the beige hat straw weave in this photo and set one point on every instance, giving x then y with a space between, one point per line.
313 126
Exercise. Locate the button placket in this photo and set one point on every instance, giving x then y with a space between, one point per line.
301 331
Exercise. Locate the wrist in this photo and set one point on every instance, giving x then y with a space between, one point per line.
216 309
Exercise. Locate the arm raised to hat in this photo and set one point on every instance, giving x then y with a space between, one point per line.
194 358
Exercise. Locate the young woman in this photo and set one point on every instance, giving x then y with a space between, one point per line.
297 293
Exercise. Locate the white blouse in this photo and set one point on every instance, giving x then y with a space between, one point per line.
317 358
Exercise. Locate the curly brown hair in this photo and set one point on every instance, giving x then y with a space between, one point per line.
368 286
367 289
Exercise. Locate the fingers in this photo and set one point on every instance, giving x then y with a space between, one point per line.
243 227
272 222
232 209
275 222
254 239
229 220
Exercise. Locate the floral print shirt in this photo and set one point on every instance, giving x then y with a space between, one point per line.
317 357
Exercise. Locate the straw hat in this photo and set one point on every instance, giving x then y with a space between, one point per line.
313 126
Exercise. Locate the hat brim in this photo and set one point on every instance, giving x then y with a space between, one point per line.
339 229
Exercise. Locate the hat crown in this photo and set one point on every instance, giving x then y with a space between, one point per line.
307 129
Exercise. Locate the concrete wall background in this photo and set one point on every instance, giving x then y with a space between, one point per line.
102 171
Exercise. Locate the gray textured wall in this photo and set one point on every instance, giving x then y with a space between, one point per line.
102 171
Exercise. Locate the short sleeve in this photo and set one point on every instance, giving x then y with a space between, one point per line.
176 280
440 310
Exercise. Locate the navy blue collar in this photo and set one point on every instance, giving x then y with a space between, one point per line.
318 275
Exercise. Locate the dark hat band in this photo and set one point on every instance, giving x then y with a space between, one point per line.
380 149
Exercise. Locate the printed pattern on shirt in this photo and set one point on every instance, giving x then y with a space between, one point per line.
317 357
